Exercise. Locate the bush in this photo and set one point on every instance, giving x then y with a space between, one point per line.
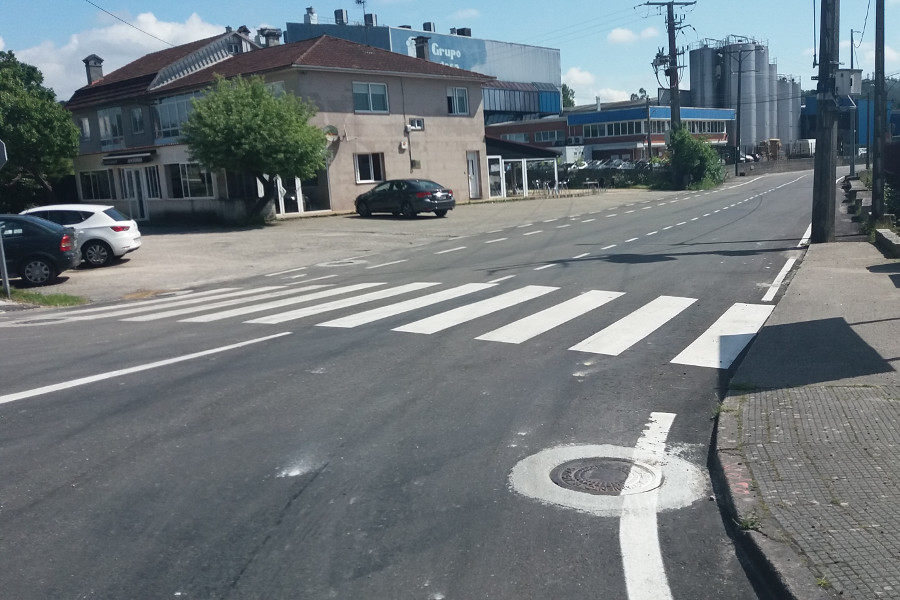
694 160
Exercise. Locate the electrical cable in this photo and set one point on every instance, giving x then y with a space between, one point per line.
129 24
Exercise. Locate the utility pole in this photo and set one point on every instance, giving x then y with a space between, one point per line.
854 114
824 186
672 70
649 136
880 115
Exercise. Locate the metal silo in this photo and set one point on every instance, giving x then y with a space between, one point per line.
783 89
703 77
773 101
740 63
763 97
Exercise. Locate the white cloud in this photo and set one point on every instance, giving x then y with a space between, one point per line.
466 14
652 32
620 35
117 44
2 44
584 84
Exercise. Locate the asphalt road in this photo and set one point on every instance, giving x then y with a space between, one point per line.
393 439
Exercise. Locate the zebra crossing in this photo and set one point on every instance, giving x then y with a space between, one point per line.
715 347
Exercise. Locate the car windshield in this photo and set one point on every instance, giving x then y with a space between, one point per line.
115 215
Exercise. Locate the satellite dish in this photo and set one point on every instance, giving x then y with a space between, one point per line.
331 134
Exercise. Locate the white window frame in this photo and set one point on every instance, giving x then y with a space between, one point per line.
370 94
365 162
137 120
112 135
416 124
93 179
171 113
85 127
456 98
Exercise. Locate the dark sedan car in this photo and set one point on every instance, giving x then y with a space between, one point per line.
37 250
407 197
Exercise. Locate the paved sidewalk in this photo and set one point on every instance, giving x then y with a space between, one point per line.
809 435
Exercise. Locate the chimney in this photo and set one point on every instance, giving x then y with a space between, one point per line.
268 36
422 47
340 16
599 107
93 66
453 31
311 18
244 30
228 29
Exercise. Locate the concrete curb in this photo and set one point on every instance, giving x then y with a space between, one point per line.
776 559
888 242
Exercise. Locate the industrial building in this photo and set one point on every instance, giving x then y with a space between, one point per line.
737 73
527 82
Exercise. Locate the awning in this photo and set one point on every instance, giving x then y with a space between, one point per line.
131 158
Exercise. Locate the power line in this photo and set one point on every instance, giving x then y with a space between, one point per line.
129 24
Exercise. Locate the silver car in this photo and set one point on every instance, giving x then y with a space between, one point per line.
103 232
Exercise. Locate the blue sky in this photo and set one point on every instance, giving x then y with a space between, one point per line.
606 46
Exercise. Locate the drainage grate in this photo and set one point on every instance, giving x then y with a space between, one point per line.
606 476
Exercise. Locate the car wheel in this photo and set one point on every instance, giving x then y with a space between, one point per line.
96 253
362 209
37 271
441 212
407 210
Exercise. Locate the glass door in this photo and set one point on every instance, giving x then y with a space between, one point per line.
133 194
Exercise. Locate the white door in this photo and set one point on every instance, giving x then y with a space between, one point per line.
474 175
133 194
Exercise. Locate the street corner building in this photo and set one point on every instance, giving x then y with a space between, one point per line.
385 115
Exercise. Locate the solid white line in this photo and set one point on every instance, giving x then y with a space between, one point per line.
245 310
376 314
719 345
466 313
120 372
804 241
451 250
773 289
497 240
642 561
307 311
177 312
581 255
286 271
628 331
541 268
396 262
501 279
545 320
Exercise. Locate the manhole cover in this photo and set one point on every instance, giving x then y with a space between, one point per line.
606 476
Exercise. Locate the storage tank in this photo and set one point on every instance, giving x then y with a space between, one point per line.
763 95
703 63
740 61
783 91
772 103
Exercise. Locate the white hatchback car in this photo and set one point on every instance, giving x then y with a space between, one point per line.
103 233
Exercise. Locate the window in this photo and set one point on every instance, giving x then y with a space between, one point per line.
171 112
369 167
549 136
151 174
189 181
97 185
276 88
593 131
85 126
111 135
137 120
515 137
416 124
370 97
458 101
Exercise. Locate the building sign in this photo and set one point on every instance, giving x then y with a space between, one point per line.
128 159
452 50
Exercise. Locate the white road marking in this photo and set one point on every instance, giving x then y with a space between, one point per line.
773 288
155 301
314 279
177 312
563 226
608 247
589 220
612 215
376 314
525 225
668 228
642 561
495 241
286 271
137 369
545 320
534 232
501 279
245 310
336 304
395 262
463 314
631 240
451 250
629 330
581 255
541 268
804 241
652 233
719 345
682 223
628 212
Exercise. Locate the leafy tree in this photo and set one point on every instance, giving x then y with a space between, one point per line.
568 96
240 126
40 137
641 95
694 160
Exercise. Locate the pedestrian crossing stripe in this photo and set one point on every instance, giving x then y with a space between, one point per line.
717 347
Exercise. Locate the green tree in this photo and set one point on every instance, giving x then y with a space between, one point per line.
568 96
641 95
40 137
240 126
694 160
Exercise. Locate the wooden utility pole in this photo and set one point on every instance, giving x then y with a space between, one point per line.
672 70
824 186
880 128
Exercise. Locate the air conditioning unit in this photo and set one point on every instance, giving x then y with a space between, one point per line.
574 141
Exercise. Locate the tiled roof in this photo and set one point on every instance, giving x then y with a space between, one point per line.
322 53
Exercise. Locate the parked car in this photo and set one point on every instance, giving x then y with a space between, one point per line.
104 233
37 250
407 197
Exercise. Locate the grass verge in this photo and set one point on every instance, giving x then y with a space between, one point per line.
39 299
